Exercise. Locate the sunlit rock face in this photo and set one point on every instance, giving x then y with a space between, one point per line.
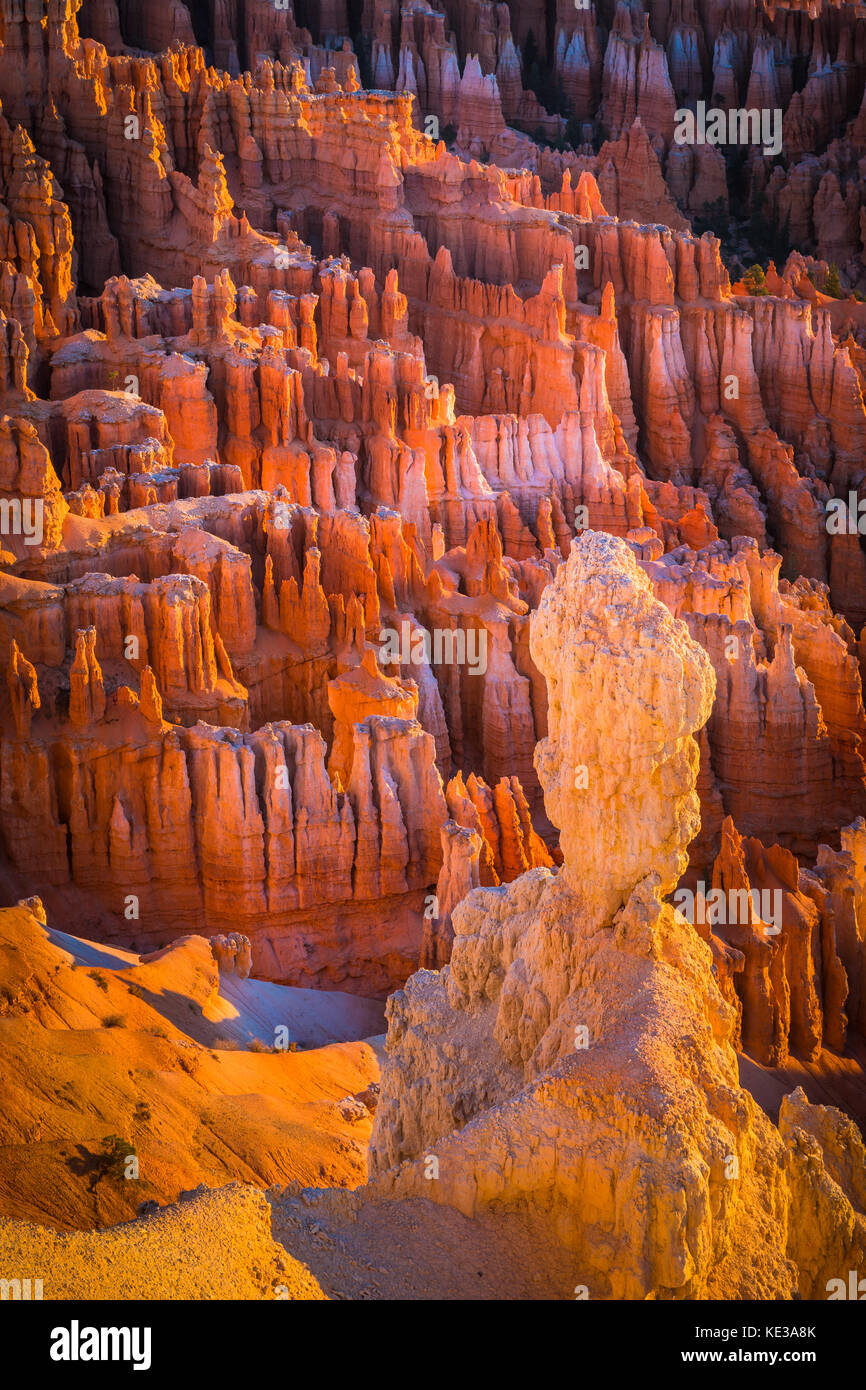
432 584
626 690
575 1060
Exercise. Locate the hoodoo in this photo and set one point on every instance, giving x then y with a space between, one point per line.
433 626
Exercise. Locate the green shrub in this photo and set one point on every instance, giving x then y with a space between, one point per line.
754 280
115 1152
833 285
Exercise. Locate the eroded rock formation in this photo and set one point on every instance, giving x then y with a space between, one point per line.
430 535
577 1053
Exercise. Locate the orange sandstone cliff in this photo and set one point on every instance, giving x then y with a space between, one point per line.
433 599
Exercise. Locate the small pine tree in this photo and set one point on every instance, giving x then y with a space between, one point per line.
754 280
530 51
833 285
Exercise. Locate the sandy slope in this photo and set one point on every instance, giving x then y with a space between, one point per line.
216 1244
97 1042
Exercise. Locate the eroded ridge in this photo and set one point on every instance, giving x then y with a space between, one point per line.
433 598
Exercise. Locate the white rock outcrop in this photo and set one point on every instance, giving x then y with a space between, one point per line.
573 1063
